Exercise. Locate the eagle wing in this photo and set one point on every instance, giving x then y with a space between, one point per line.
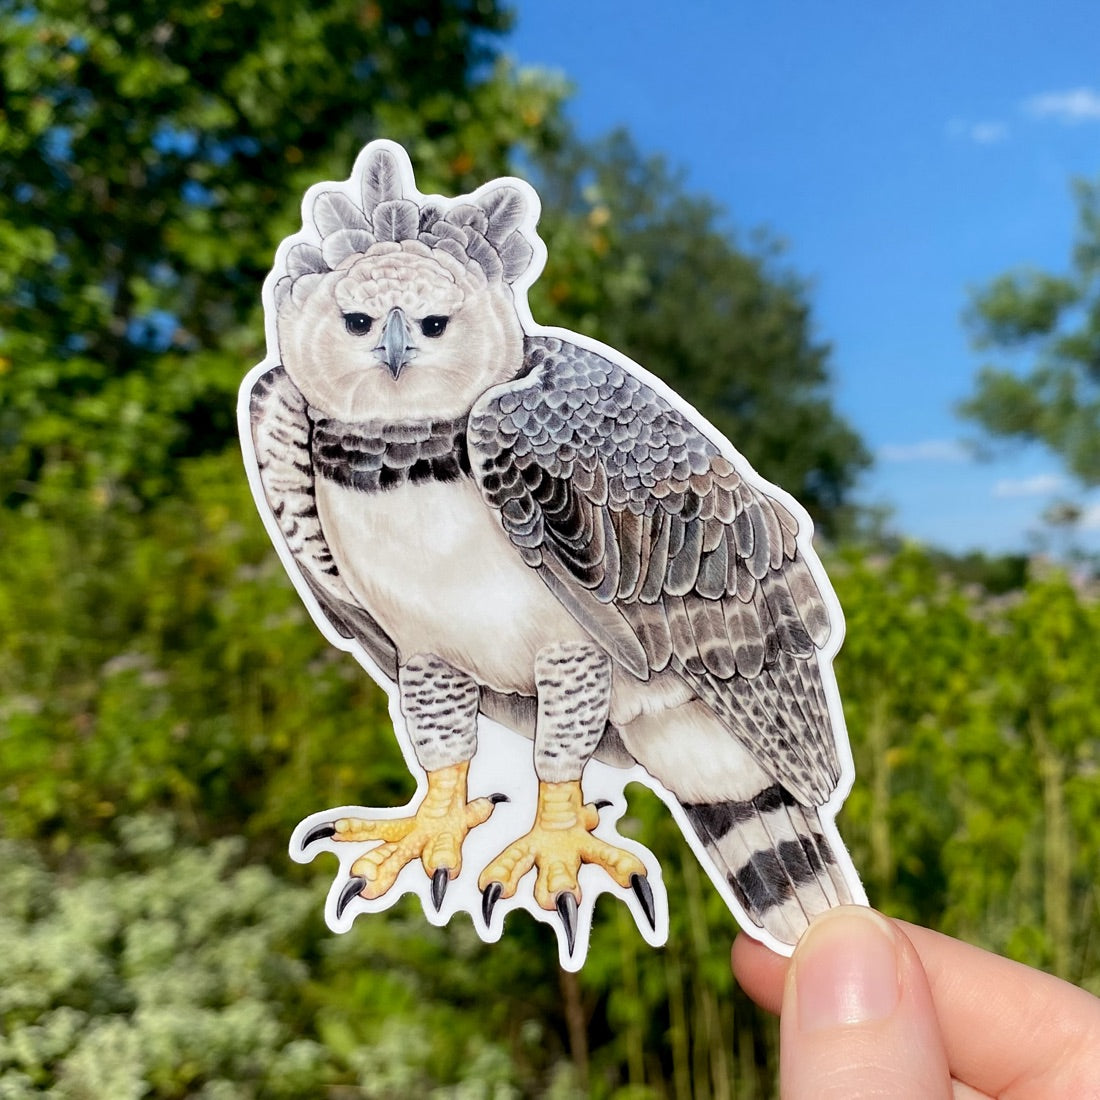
653 540
281 434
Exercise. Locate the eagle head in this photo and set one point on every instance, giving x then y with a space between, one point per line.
404 309
400 332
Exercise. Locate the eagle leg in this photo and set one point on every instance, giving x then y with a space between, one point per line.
574 692
440 706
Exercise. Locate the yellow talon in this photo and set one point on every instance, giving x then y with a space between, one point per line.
559 842
434 834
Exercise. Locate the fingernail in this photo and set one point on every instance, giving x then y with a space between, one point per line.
846 970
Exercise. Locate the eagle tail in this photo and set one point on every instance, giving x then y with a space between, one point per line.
773 854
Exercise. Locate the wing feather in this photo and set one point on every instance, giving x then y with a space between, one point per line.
658 562
629 533
605 620
746 582
675 543
807 598
713 571
650 623
744 536
760 555
683 638
791 634
708 625
281 432
652 538
746 636
683 563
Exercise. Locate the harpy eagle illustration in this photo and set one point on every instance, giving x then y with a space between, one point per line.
515 523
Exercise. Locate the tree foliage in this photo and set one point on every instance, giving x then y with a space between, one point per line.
152 158
1052 324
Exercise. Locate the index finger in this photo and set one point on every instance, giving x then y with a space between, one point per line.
1008 1029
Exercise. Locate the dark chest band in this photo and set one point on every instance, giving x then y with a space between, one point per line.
371 457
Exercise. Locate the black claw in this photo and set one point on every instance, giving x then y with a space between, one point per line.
566 906
602 804
490 896
353 888
440 878
640 885
318 832
497 799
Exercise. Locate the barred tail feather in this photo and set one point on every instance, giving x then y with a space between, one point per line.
776 859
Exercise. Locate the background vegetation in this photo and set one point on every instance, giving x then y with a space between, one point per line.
168 712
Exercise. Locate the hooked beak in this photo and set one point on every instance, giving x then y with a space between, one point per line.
394 349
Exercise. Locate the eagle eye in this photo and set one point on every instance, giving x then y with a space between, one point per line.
434 326
358 324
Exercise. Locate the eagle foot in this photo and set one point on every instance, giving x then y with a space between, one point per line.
433 834
559 842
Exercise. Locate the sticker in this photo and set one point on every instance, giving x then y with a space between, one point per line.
563 576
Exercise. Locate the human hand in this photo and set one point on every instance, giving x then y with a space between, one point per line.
877 1008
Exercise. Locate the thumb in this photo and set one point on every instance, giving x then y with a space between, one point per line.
857 1018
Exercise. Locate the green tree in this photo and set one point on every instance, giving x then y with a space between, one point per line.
1049 327
151 158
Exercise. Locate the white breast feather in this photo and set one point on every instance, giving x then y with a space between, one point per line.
433 566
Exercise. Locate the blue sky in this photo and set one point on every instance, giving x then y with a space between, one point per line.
906 153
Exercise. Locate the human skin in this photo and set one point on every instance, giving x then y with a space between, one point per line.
871 1007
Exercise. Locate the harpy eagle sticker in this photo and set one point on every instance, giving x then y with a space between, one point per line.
563 576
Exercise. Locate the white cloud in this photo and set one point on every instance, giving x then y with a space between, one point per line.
1090 518
989 133
981 133
1037 486
1075 105
928 450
